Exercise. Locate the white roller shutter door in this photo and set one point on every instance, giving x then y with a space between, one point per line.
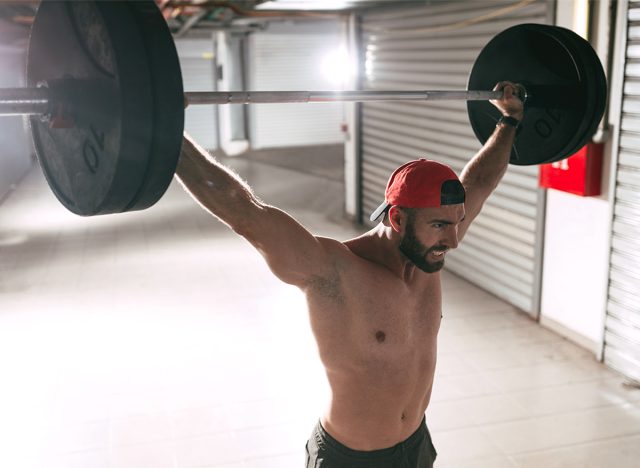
434 47
198 74
289 57
622 327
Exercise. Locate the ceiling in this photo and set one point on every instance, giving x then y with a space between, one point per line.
187 15
335 5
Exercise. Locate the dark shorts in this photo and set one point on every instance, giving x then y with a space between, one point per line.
323 451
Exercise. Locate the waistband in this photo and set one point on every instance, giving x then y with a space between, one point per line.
323 437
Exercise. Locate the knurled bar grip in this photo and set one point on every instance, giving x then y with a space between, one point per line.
21 101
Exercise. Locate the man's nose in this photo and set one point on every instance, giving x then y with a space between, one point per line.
452 237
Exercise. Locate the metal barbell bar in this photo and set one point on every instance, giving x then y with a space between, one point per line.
32 101
264 97
24 101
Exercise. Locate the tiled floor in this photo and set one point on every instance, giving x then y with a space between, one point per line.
159 339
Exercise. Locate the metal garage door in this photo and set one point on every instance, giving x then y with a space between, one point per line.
622 327
198 74
290 57
434 47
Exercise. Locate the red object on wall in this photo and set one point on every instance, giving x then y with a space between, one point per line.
579 174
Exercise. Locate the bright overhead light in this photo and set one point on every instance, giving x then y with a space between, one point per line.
337 67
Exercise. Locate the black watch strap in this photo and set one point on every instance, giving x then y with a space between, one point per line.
508 120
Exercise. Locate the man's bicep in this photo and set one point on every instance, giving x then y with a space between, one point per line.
293 254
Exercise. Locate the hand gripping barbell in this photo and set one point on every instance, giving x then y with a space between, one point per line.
106 101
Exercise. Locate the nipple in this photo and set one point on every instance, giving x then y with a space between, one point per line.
380 336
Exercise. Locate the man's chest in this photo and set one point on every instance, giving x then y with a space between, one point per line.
393 328
378 324
376 331
402 311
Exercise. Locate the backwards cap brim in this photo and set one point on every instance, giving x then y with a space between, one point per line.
378 211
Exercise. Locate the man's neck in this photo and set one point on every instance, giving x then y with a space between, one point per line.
381 245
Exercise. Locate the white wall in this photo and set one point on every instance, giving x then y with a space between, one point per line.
292 56
198 74
575 267
576 252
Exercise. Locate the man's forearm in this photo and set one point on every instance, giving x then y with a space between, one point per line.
488 166
214 186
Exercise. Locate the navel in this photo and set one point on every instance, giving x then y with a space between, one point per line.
380 336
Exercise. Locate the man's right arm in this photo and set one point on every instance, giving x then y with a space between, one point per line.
484 171
293 254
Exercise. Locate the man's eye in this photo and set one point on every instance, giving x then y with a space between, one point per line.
437 225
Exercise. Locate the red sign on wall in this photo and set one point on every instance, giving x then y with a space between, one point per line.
579 174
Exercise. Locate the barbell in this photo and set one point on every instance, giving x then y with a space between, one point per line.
106 102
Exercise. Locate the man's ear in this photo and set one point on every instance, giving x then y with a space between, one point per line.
397 219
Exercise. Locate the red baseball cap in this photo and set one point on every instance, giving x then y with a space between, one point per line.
422 183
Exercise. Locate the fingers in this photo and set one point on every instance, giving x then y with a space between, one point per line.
508 88
510 103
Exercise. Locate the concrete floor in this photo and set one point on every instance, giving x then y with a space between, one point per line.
160 339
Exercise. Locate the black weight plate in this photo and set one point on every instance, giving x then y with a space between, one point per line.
536 56
91 53
581 91
595 90
168 103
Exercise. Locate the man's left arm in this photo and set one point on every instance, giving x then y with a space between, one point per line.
482 174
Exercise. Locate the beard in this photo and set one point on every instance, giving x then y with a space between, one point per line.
417 252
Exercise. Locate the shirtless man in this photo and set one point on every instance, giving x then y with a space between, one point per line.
374 301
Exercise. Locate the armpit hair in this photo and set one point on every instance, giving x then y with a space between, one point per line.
328 287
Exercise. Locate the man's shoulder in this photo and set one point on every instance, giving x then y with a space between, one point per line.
345 253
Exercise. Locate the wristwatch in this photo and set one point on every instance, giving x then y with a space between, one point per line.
508 120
